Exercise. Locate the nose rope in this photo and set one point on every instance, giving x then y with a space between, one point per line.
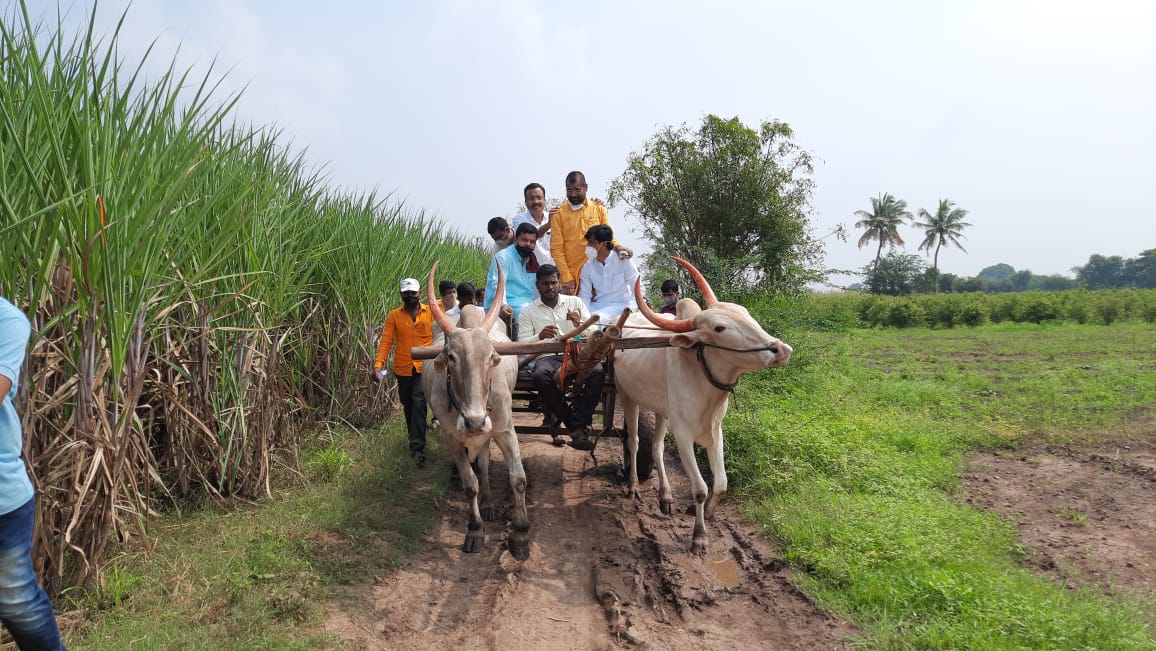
699 352
450 392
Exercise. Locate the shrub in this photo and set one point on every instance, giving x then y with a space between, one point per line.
1077 309
1004 307
904 314
942 311
972 313
1037 309
1109 309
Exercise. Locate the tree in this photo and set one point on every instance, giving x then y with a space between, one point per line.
1141 272
897 274
944 227
1101 272
732 200
997 272
882 223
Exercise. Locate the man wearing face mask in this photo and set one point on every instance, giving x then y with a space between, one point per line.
607 280
568 225
520 263
408 326
669 296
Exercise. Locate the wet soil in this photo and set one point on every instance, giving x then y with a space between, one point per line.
604 573
1086 513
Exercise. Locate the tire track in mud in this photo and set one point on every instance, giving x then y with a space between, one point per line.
604 573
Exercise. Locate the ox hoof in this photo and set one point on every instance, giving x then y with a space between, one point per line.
666 506
488 513
698 546
474 543
519 549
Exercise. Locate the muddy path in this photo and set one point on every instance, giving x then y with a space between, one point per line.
603 573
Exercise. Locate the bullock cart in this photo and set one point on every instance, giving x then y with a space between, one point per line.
599 346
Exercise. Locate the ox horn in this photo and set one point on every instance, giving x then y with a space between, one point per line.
447 326
499 298
708 296
673 325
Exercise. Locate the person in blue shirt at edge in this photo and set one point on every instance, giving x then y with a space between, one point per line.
24 606
520 263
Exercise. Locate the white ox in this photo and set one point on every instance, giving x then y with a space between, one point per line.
469 388
687 386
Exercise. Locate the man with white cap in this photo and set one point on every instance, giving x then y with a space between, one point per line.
408 326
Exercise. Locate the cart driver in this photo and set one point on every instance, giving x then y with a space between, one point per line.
546 317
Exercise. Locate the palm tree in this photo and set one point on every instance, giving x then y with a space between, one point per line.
944 227
883 222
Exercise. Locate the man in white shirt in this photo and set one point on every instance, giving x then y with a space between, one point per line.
534 196
607 280
500 232
546 317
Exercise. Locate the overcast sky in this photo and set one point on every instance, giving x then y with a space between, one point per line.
1037 117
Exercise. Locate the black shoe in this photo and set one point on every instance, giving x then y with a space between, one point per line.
580 439
420 460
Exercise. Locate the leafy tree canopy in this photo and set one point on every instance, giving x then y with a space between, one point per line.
732 200
997 272
898 274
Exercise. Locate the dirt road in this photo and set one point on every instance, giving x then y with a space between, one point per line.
603 573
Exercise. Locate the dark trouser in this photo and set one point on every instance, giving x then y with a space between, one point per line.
546 381
412 396
24 608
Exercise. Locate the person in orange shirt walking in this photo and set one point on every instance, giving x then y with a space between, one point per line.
408 326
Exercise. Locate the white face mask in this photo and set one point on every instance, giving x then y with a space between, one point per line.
591 253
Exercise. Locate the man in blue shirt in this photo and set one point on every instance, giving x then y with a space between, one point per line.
520 263
24 607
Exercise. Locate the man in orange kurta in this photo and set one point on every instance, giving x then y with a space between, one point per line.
408 326
568 225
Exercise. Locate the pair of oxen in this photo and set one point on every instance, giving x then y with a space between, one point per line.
686 385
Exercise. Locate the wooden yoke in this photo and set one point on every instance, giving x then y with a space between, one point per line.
548 346
594 351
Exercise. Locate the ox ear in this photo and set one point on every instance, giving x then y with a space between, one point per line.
684 340
495 359
441 361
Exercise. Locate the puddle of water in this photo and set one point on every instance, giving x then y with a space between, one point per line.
727 571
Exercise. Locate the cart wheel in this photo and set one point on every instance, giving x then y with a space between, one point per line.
645 436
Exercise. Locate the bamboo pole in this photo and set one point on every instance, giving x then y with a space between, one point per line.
547 346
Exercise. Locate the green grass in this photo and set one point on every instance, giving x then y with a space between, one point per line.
851 454
259 575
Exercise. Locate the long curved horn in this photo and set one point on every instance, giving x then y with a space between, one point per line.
496 306
708 296
438 315
674 325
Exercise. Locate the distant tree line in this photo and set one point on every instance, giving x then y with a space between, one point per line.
899 274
